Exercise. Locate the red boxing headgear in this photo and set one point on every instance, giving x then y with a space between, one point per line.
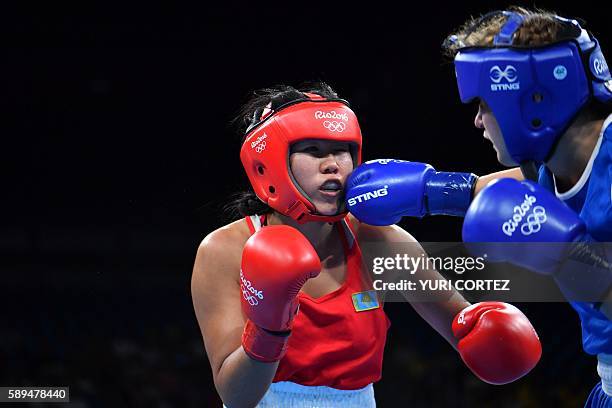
265 151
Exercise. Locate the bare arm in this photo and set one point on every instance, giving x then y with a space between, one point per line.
439 314
437 308
239 380
514 173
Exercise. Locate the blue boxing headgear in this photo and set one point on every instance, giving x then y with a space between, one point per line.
534 92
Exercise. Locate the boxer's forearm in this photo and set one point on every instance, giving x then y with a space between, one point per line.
514 173
242 381
439 315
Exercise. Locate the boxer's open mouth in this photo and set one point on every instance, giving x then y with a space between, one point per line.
331 185
331 188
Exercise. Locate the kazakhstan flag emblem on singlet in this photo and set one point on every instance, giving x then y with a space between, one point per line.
367 300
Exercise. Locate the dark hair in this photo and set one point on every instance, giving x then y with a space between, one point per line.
247 203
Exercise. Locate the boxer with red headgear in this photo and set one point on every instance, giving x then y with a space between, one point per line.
266 150
296 249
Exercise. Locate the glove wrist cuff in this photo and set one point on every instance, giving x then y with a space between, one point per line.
450 193
263 345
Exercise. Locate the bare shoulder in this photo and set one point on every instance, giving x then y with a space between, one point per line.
220 251
215 291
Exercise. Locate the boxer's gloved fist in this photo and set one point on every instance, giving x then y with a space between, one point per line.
381 192
496 341
508 217
276 262
511 211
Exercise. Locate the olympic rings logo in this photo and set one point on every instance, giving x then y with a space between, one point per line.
261 146
534 221
249 293
334 126
252 300
537 217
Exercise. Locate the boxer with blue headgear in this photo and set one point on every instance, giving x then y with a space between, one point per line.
545 99
534 92
545 102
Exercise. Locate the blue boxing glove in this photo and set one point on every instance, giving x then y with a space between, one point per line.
508 216
510 211
381 192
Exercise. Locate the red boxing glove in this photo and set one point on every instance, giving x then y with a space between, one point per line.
496 341
276 262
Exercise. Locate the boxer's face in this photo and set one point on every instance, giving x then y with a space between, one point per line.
486 120
321 167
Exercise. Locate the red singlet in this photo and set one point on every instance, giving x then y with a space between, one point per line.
331 343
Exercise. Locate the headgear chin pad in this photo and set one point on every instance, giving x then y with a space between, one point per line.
266 149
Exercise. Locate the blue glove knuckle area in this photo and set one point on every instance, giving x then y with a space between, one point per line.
511 211
359 176
526 225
